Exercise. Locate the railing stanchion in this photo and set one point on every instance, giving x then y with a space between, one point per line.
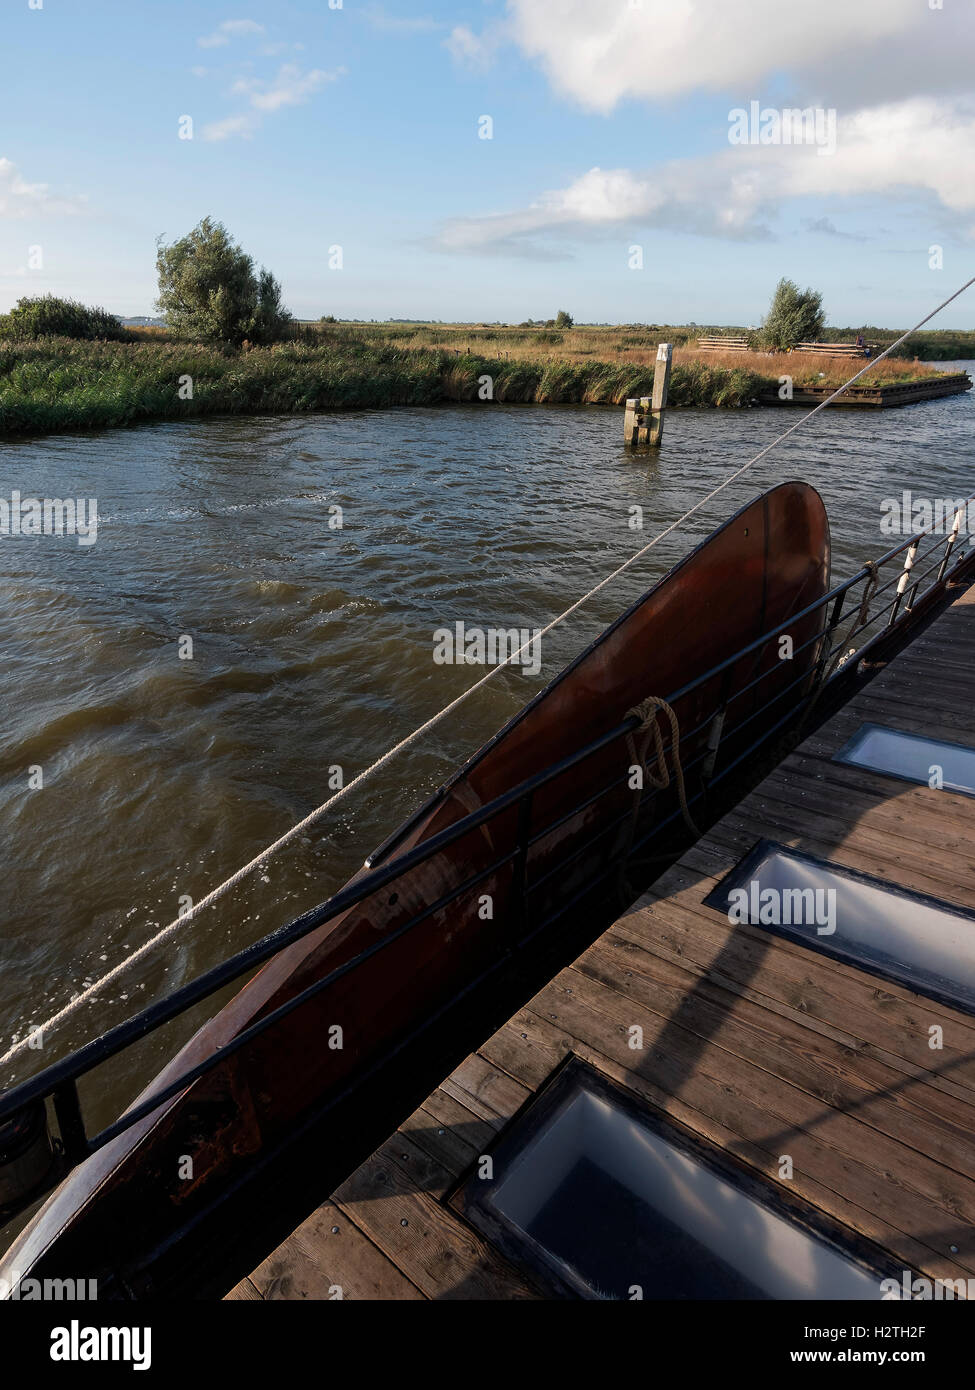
519 867
714 742
950 543
832 623
71 1123
909 559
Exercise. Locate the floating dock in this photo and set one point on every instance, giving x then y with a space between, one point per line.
839 1096
897 393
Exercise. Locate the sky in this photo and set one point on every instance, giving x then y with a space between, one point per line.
497 160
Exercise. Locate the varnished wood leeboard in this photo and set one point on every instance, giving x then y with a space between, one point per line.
753 1042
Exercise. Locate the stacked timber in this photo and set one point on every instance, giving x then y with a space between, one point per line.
720 344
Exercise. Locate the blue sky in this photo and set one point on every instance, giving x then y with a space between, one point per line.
359 127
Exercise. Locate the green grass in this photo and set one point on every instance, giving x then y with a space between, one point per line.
934 345
57 383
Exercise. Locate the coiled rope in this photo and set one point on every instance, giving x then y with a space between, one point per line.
183 920
646 711
649 727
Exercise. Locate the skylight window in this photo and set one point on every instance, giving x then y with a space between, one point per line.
606 1197
913 758
919 941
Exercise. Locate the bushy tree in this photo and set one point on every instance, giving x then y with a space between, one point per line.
563 319
795 316
49 317
209 290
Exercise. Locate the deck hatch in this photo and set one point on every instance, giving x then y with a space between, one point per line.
918 941
911 757
605 1196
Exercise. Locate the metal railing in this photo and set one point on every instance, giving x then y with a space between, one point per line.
58 1083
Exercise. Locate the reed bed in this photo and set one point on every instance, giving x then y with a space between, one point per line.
633 348
51 384
57 383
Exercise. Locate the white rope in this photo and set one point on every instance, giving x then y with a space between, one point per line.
222 889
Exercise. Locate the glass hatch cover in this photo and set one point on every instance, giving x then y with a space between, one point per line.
911 757
916 940
595 1189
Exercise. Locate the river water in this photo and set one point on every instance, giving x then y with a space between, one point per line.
312 646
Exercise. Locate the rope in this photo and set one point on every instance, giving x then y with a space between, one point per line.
646 711
259 860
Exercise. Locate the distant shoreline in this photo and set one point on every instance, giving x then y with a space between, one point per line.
933 345
56 384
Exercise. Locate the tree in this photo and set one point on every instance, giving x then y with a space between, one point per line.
208 289
795 316
47 316
563 319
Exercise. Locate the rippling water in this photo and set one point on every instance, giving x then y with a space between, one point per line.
312 646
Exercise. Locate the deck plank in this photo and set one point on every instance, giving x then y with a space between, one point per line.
829 997
395 1198
245 1292
775 1041
328 1258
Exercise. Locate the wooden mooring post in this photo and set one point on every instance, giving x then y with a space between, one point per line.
643 423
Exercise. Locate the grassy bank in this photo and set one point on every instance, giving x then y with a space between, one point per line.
582 346
610 342
52 384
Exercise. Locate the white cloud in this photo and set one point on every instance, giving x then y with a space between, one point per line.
230 29
290 87
918 149
897 72
464 44
922 146
475 50
859 52
18 198
231 125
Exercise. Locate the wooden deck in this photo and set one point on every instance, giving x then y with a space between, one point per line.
751 1041
873 394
